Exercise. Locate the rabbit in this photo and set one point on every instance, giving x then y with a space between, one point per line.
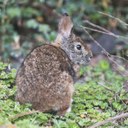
46 76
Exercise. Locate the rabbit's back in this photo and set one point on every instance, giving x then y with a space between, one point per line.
45 79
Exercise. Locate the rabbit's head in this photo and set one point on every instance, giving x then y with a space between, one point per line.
75 48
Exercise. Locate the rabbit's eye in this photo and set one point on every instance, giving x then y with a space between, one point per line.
78 47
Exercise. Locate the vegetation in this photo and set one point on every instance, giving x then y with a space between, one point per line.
28 23
94 101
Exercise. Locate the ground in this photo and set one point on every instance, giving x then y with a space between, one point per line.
101 96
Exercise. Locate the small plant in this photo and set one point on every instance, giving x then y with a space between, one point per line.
94 101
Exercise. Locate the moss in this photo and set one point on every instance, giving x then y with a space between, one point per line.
93 101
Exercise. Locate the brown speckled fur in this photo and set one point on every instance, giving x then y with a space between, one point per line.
46 77
44 83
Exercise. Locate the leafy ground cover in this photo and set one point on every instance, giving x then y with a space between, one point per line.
100 97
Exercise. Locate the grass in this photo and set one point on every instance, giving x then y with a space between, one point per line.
101 97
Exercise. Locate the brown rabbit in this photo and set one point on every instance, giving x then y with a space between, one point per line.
46 77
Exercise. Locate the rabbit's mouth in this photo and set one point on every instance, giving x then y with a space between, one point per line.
89 57
84 62
87 60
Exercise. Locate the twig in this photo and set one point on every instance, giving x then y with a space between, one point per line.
96 30
107 33
22 114
119 20
115 56
106 87
125 73
112 91
96 26
124 115
103 32
105 52
97 42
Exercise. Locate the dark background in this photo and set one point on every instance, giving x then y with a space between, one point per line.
28 23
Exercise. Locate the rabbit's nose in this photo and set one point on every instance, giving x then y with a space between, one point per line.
89 57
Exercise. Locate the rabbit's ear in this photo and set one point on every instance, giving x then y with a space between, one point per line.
65 26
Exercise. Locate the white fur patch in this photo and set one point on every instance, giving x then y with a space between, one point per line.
69 109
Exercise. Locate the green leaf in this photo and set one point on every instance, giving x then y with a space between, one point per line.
32 24
104 65
13 12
